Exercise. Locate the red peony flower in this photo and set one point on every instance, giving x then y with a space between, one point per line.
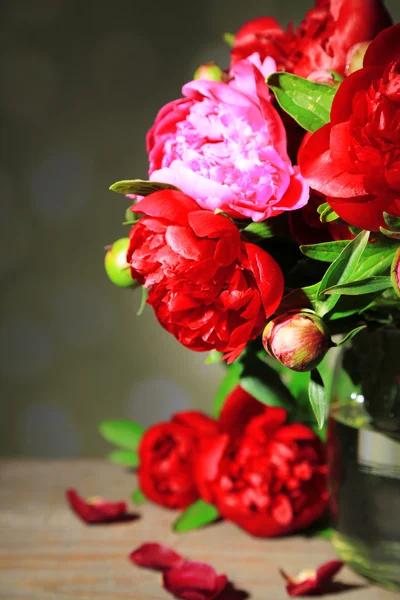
265 36
96 509
313 583
322 40
156 556
194 581
167 452
270 479
355 159
208 288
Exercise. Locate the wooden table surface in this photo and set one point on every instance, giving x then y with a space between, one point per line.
47 553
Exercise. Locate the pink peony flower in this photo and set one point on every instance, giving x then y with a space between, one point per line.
224 144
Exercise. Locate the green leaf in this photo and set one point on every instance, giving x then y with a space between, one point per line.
309 103
197 515
213 357
393 235
325 533
318 398
361 286
392 221
140 187
268 394
138 497
328 215
229 38
342 269
351 334
126 458
325 252
142 306
351 305
227 385
122 433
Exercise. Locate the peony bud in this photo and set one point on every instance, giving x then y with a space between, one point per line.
355 57
395 272
116 266
209 71
297 339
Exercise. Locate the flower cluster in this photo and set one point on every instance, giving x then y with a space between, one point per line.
265 475
270 221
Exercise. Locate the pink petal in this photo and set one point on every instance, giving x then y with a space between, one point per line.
156 556
194 581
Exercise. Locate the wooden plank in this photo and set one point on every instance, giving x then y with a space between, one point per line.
47 553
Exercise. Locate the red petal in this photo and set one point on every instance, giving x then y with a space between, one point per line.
304 588
202 424
182 241
100 511
342 106
206 224
282 510
321 172
208 463
384 48
256 26
268 276
364 212
293 432
328 570
238 409
194 581
156 556
168 204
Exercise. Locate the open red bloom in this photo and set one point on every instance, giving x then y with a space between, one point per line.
355 159
96 510
156 556
322 40
194 581
208 287
311 583
167 452
268 477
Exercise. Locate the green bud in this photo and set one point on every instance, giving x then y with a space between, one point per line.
299 339
209 71
116 266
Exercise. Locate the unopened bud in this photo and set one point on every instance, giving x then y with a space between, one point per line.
395 272
209 71
116 266
297 339
355 57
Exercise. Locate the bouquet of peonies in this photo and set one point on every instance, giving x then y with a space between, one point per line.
269 224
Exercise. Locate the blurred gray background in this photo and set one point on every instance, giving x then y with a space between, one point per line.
81 82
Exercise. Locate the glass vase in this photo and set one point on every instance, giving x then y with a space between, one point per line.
364 456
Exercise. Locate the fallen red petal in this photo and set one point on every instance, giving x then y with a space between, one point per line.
194 581
97 510
313 583
156 556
